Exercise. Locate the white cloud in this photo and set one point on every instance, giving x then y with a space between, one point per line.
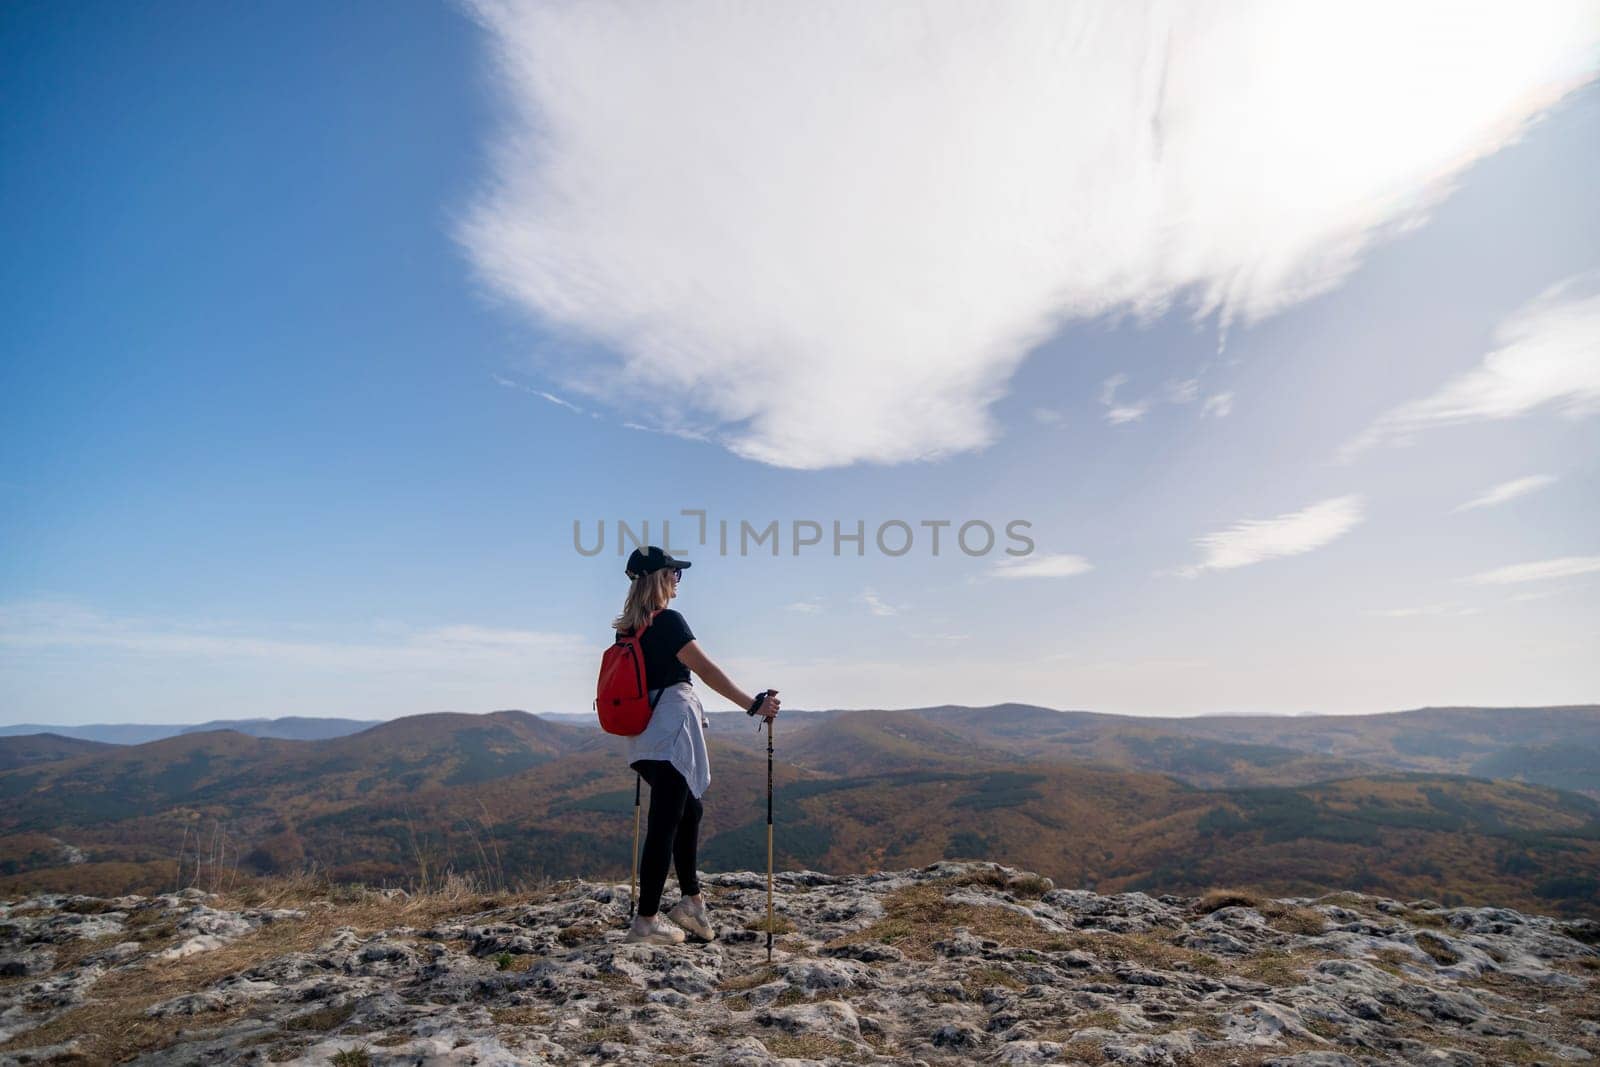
1120 413
1509 491
1108 388
1547 353
806 607
1132 413
1220 405
1183 392
1566 567
685 432
48 624
876 604
1254 540
509 384
1432 609
831 230
1175 391
1040 566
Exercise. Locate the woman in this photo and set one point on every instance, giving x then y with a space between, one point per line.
671 752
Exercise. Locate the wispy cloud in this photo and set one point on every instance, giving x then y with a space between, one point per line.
1547 354
847 259
1219 405
684 432
509 384
876 604
1174 391
1255 540
1541 570
1127 413
1108 388
812 606
1431 609
61 624
1183 391
1040 566
1116 414
1509 491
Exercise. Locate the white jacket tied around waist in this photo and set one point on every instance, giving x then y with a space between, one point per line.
676 734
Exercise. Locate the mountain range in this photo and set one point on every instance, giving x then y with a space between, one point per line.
298 727
1457 804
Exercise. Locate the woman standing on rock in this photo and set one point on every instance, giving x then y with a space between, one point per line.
671 752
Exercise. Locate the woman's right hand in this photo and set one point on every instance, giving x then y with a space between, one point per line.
769 707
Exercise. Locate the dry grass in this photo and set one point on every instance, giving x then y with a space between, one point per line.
1346 899
522 1015
296 890
810 1047
1436 947
1424 918
1291 919
514 963
1084 1051
321 1020
1089 1051
1146 949
625 989
740 982
578 933
1273 968
600 1034
1565 1012
1024 885
1394 960
1217 899
917 916
780 925
1287 918
981 978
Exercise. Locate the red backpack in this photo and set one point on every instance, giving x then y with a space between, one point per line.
622 698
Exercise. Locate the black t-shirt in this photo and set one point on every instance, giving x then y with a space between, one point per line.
660 644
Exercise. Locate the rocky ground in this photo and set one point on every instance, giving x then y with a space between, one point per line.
954 963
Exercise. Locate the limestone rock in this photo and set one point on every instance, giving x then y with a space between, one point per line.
1006 969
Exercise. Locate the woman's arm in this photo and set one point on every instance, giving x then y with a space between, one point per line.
694 657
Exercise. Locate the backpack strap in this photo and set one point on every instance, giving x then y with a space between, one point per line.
647 623
639 637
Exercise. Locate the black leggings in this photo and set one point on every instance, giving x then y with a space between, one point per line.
673 836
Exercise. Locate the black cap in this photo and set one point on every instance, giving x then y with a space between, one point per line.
651 559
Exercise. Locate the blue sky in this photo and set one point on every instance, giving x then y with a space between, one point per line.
316 345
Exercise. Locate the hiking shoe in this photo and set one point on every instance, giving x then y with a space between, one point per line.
693 919
654 931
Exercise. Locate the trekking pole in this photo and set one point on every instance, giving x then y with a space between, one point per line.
633 885
769 840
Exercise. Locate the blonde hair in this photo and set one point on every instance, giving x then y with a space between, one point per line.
647 594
